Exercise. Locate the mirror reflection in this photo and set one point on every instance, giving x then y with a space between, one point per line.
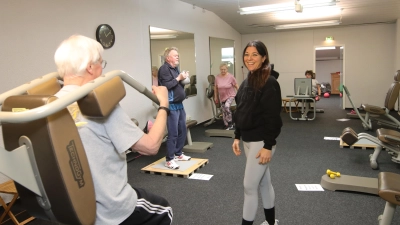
222 52
160 40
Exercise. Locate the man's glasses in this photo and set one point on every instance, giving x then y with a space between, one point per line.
103 64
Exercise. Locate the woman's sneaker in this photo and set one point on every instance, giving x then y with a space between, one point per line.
172 165
266 223
182 158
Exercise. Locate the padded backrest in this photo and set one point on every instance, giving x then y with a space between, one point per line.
49 87
193 89
397 76
211 79
61 160
210 89
193 80
102 100
392 95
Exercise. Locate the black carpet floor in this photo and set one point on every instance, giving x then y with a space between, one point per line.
302 157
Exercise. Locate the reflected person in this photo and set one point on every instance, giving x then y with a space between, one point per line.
170 77
225 91
154 75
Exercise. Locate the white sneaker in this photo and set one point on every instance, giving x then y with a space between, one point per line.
231 127
182 158
266 223
172 165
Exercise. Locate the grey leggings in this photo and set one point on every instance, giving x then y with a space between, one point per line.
256 177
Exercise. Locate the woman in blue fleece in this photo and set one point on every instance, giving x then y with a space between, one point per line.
258 124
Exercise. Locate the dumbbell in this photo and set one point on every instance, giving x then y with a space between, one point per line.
332 174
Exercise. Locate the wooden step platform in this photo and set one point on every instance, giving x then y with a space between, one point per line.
363 144
186 168
220 133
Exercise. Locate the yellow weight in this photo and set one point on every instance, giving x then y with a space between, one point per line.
329 172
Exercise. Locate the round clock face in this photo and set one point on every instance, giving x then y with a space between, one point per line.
105 35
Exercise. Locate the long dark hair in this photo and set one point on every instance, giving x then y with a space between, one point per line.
259 77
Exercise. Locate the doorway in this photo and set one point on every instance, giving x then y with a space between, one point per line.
330 70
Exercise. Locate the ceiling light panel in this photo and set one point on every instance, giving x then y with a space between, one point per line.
285 6
309 13
325 48
305 25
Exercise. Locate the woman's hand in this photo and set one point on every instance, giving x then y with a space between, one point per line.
265 156
235 147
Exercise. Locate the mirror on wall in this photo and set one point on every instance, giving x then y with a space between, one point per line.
160 39
222 51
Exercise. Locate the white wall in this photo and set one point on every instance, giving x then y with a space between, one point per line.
36 28
32 30
369 57
397 44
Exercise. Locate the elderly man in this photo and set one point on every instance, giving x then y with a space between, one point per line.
170 77
79 61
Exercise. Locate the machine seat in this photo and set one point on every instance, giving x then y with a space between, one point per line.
388 136
191 123
389 187
374 109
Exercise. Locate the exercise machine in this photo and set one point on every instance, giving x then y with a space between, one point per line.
387 186
386 139
375 113
303 94
43 152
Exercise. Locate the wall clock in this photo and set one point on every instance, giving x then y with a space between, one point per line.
105 35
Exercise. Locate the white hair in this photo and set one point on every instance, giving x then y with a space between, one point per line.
168 50
75 53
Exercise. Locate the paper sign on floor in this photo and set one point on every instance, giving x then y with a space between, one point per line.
332 138
201 176
309 187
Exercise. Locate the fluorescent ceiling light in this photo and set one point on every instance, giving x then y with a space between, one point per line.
309 14
155 30
162 36
311 24
325 48
285 6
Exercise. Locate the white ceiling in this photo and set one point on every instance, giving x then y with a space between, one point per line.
354 12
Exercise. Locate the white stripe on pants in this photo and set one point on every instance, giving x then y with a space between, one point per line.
256 177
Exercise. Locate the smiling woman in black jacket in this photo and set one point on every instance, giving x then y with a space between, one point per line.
258 124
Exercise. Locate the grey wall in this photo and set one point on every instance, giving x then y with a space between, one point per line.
323 69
